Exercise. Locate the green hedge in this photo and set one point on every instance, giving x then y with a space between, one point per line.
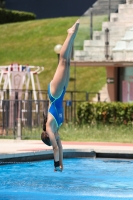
9 16
105 113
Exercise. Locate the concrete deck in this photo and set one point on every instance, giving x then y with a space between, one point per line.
31 150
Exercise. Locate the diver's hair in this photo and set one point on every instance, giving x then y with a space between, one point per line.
44 121
45 138
44 135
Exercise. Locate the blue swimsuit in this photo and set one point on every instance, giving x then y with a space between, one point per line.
56 107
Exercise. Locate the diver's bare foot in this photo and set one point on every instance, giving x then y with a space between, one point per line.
74 28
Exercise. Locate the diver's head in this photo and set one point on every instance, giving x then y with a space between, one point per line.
45 138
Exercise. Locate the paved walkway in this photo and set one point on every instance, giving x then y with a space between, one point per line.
16 146
21 148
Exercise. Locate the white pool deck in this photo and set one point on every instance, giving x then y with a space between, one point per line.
13 149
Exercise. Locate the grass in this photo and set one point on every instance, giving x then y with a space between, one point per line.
101 133
71 132
33 43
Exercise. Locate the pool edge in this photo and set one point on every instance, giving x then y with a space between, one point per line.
67 153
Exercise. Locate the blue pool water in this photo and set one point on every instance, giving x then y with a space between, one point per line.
82 178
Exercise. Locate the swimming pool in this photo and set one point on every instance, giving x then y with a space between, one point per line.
82 178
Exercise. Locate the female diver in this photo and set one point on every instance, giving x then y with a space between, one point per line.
56 91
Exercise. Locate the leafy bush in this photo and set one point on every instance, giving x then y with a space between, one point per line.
115 113
8 16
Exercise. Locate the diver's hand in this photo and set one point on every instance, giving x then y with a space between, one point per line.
58 169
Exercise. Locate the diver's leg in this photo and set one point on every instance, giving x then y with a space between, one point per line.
62 71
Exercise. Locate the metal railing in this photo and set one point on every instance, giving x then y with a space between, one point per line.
19 117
